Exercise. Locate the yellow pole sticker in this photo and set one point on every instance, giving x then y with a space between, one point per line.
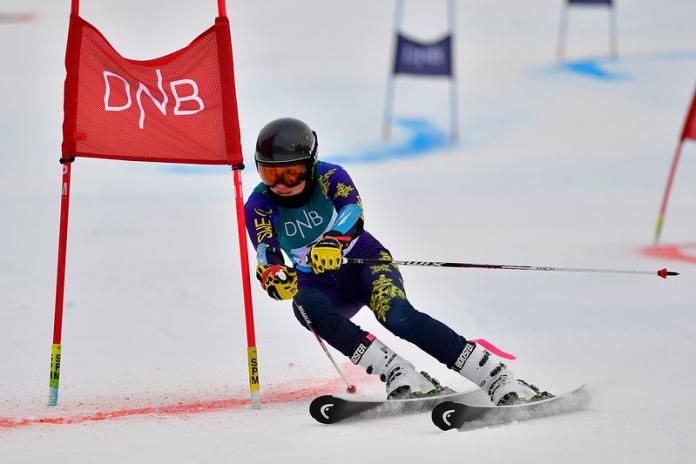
55 365
254 384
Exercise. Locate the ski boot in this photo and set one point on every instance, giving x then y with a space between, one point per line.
401 378
503 388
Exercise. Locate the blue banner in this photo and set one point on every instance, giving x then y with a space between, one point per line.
423 59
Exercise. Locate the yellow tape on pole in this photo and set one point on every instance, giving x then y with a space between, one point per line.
254 384
658 229
55 375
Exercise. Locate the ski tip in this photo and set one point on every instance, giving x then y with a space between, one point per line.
664 273
443 414
322 409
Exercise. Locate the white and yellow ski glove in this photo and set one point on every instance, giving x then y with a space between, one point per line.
327 253
280 282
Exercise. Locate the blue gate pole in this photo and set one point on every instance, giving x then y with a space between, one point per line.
389 93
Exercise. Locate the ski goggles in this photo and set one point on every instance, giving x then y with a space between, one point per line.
289 175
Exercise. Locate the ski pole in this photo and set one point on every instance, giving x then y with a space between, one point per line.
662 272
350 388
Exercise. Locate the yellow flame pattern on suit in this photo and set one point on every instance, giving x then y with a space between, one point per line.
380 268
384 256
343 190
362 208
383 292
325 180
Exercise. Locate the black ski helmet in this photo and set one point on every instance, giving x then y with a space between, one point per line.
286 141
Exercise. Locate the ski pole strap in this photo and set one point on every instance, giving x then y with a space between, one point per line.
513 267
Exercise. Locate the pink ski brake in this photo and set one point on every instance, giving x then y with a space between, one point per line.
494 349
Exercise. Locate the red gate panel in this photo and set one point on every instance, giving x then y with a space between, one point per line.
179 108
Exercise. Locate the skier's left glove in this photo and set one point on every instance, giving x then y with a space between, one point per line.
327 253
280 282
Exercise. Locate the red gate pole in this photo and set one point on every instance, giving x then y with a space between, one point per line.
688 132
253 363
668 189
54 380
254 384
60 284
222 8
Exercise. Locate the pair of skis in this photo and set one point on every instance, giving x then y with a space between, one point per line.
452 411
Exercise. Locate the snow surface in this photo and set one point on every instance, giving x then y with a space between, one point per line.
560 165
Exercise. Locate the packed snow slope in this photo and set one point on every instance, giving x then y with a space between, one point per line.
558 164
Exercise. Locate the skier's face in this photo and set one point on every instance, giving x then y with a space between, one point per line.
285 191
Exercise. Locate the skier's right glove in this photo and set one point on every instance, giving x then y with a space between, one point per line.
280 282
327 253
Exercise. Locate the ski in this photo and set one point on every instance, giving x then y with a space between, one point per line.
329 409
455 414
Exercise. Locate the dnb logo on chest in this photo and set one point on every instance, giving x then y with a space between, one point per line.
298 226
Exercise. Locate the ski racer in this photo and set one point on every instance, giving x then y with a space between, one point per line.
312 211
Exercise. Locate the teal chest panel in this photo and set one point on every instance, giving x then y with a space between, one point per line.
298 227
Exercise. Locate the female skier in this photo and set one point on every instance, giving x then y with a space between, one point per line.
312 211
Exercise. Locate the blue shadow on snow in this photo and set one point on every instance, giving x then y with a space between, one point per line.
596 68
422 137
592 69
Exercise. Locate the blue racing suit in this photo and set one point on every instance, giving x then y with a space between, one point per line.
331 203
